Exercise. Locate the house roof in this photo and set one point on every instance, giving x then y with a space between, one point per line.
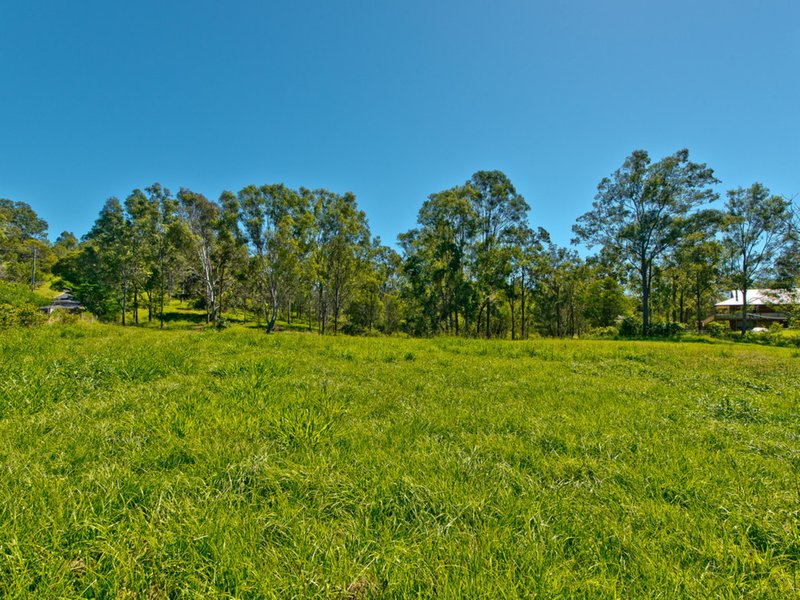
762 297
65 300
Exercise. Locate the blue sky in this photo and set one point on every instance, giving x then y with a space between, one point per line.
392 100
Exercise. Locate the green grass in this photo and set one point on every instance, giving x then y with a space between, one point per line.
145 463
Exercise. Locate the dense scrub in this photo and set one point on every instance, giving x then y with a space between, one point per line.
196 463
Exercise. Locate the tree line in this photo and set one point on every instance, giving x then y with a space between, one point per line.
474 265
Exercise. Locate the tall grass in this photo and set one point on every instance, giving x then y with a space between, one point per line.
144 463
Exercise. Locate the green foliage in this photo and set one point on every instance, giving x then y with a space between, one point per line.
25 254
19 306
757 227
630 327
17 294
145 463
25 315
609 332
672 329
717 330
641 213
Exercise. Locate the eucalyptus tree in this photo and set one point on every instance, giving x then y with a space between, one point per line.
523 247
787 265
445 245
200 220
162 242
230 254
342 249
604 297
640 211
499 211
110 256
757 227
559 277
142 215
418 293
698 258
65 243
272 217
24 248
387 266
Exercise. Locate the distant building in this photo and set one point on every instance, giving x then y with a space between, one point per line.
64 301
764 307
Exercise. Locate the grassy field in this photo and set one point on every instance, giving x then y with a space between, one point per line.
144 463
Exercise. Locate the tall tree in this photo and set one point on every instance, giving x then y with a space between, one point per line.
24 248
499 211
110 240
200 217
164 237
344 247
272 216
758 225
639 213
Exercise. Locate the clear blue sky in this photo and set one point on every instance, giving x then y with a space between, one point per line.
392 100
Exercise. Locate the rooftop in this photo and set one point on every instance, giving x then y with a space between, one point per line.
762 297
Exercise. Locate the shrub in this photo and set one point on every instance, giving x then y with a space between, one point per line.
25 315
351 328
630 327
8 315
17 294
29 315
666 329
609 332
775 329
717 330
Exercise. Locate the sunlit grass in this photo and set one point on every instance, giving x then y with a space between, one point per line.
142 463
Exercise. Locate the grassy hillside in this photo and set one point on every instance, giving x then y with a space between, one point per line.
145 463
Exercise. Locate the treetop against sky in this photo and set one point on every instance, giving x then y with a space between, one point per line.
393 101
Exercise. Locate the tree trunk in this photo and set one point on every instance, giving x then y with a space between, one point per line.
273 296
33 270
513 330
744 310
522 308
645 299
161 308
124 299
698 293
488 320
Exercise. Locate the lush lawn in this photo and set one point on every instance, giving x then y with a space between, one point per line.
146 463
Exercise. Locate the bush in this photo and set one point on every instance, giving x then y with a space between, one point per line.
29 315
25 315
630 327
606 333
717 330
17 294
666 329
8 315
65 317
776 329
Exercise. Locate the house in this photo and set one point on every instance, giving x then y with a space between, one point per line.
65 301
764 307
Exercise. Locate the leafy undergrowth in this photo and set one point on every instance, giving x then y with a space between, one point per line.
143 463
